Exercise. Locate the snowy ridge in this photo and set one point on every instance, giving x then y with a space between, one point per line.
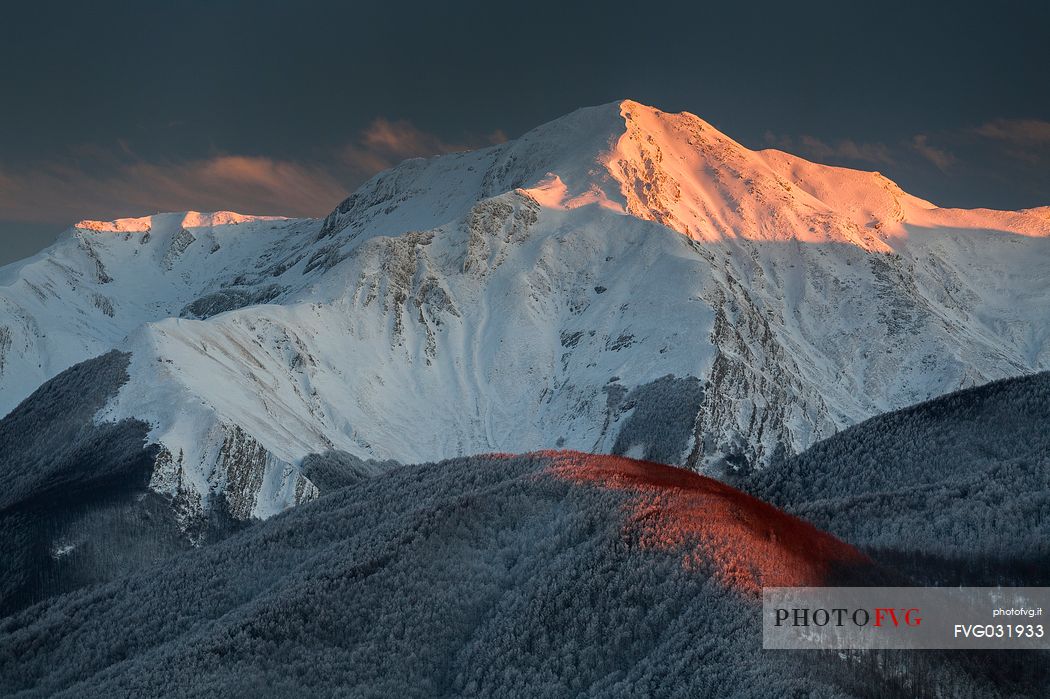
620 279
101 280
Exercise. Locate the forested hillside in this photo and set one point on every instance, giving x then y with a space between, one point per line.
547 575
965 478
75 506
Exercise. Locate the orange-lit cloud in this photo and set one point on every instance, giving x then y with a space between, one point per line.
942 159
1026 139
63 192
846 149
106 183
871 153
385 143
1022 132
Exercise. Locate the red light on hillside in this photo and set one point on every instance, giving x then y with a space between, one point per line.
749 543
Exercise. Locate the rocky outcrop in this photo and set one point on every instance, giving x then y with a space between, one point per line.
246 482
179 242
5 346
492 226
756 402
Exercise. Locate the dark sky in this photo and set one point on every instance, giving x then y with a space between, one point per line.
126 108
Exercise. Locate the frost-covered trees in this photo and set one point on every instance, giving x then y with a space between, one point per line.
662 418
965 477
336 469
69 514
473 577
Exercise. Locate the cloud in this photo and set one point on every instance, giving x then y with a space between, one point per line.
105 183
1027 140
941 159
1021 132
385 143
845 149
108 185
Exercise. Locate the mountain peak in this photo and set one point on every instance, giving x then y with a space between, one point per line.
185 219
639 112
677 170
672 169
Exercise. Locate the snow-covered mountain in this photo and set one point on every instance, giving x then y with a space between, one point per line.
618 280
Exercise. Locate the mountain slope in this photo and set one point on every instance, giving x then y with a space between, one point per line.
612 271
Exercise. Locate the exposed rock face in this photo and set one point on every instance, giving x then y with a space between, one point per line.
179 242
494 226
754 394
245 477
407 285
5 347
168 477
251 473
